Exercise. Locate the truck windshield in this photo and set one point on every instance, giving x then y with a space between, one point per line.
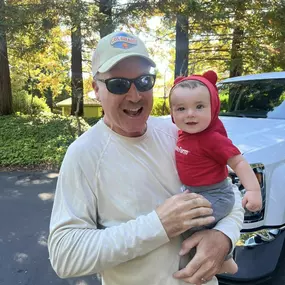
254 98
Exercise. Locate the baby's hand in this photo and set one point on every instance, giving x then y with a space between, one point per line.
252 201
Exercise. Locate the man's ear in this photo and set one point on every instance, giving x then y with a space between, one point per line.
96 89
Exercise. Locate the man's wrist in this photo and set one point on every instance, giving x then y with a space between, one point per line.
227 241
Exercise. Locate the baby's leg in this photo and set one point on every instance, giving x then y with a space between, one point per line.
229 266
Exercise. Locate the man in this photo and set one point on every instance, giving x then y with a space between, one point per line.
117 209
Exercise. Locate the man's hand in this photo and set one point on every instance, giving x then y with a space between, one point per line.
212 247
184 211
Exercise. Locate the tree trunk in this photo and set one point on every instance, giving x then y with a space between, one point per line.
5 80
76 70
49 98
182 46
107 26
236 65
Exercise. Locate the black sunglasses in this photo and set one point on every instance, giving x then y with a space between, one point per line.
120 86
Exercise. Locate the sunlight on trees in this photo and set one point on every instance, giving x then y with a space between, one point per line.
221 35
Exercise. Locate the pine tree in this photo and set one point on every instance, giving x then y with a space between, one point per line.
5 81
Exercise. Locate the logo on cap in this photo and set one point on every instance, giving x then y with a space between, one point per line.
123 41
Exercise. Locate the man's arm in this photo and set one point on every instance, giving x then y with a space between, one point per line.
212 245
76 246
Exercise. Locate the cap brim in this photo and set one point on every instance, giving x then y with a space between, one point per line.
116 59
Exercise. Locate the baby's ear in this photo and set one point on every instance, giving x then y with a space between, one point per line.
178 79
212 76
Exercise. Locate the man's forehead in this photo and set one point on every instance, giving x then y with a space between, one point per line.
133 61
129 67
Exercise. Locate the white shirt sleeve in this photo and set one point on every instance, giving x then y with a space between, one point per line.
76 246
231 225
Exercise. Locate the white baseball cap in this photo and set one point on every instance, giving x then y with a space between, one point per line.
115 47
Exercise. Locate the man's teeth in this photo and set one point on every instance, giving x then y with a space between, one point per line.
133 112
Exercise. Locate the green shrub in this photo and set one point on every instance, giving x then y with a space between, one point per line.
160 107
224 102
91 121
39 140
22 103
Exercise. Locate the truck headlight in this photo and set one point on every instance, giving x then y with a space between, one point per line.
258 168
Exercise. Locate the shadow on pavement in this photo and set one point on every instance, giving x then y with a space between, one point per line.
25 206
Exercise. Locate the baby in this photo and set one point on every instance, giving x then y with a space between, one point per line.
203 150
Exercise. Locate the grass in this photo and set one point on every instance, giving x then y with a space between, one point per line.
41 141
36 142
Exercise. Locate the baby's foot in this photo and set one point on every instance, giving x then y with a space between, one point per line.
229 267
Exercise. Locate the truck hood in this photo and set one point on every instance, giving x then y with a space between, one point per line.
250 134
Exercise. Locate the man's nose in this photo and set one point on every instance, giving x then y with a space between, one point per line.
133 94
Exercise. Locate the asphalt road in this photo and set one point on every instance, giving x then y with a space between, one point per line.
25 206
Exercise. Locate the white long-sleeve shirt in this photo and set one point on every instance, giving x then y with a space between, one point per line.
104 219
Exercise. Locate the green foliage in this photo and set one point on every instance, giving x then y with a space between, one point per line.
91 121
225 33
224 99
40 140
22 103
39 70
160 107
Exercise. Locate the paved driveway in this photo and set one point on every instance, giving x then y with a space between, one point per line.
25 206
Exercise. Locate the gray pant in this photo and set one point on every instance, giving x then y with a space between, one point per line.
222 198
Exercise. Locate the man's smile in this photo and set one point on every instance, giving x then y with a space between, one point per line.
133 112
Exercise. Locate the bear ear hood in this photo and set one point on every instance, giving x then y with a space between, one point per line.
179 79
211 76
209 79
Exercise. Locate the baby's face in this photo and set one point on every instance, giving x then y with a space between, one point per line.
191 108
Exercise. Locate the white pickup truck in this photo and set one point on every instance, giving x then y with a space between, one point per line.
253 112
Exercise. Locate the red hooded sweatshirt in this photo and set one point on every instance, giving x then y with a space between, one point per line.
201 158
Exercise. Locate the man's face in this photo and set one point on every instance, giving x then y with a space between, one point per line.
125 114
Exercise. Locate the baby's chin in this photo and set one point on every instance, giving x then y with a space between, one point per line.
193 131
